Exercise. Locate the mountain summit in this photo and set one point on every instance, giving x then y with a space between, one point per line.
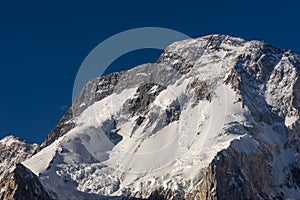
216 117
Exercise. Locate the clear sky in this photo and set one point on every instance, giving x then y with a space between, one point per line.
43 43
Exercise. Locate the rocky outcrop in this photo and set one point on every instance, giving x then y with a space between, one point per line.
145 95
202 90
13 150
22 184
235 175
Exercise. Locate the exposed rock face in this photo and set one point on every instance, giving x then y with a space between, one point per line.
143 98
12 151
166 194
235 175
202 90
22 184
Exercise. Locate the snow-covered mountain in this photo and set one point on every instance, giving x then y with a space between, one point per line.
216 117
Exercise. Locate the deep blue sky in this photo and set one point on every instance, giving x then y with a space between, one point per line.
43 44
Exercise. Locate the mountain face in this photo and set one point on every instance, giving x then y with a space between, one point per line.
14 151
22 184
216 117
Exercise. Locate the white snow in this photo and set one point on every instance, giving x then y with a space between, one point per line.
290 120
8 140
39 162
179 150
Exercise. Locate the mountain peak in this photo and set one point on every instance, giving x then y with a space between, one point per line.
185 127
13 151
8 140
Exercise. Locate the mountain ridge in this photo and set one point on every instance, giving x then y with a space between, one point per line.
223 102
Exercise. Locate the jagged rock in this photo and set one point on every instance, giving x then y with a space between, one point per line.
22 184
143 98
235 175
202 90
13 150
